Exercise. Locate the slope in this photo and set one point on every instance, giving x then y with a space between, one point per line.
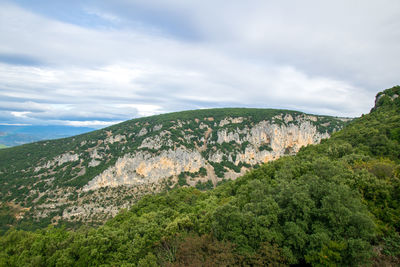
90 177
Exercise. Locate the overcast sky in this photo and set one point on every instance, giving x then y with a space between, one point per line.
94 63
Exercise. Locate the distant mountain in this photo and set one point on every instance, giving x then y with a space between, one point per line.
90 177
11 135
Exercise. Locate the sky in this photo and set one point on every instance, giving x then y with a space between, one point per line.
96 62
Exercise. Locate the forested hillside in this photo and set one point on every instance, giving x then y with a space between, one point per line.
332 204
87 179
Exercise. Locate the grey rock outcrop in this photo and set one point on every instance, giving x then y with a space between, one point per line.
144 167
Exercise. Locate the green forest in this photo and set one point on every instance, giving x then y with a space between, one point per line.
332 204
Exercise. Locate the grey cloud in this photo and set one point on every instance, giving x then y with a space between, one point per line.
327 58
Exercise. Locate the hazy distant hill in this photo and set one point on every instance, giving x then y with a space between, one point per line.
90 177
17 135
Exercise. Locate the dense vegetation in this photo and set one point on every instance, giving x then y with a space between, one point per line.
333 204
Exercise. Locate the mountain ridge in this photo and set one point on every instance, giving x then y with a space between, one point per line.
60 180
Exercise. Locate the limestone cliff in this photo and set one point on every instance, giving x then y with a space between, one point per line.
259 143
143 167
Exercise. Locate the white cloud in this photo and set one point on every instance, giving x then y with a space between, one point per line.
20 114
95 124
329 58
142 109
15 124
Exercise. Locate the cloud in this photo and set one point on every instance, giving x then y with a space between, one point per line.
112 61
95 124
20 114
19 59
104 16
15 124
346 40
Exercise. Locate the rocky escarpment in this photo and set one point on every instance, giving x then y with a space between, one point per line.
260 143
88 178
144 168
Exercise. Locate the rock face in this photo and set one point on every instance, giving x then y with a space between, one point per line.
88 178
59 160
262 142
143 167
